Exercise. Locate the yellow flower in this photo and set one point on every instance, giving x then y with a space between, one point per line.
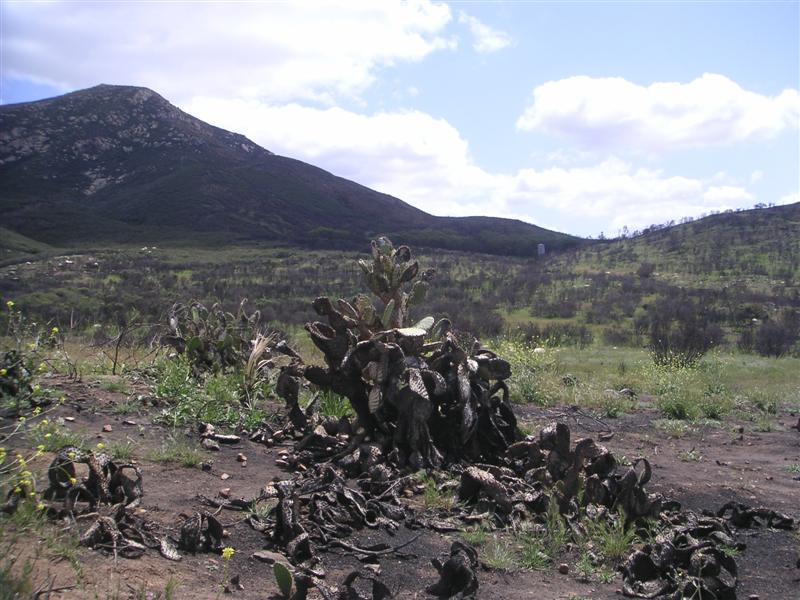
71 455
40 506
31 494
22 419
100 445
26 474
48 435
10 304
36 388
45 422
73 481
54 330
17 490
227 552
40 447
42 366
37 411
3 372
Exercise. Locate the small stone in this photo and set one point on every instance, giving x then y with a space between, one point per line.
563 568
269 557
206 466
244 464
69 419
752 597
129 422
241 457
107 428
225 492
224 476
210 445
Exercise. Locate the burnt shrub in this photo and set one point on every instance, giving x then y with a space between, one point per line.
680 332
617 336
777 337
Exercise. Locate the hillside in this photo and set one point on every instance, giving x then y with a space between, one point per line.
116 164
757 243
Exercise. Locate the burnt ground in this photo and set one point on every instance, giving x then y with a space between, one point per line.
735 463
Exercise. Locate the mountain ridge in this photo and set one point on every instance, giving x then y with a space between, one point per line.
122 164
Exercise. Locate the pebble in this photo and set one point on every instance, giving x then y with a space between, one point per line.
225 492
752 597
206 466
107 427
224 476
129 422
269 557
210 445
563 568
69 419
241 457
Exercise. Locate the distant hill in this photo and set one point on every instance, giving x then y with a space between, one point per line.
757 242
121 165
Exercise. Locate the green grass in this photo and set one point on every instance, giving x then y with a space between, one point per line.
499 554
121 450
179 451
334 405
53 434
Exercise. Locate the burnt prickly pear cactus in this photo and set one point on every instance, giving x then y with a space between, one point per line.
422 401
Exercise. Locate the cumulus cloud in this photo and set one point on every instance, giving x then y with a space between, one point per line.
485 39
613 112
267 50
426 162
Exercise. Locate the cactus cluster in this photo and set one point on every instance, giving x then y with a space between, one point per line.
416 392
211 338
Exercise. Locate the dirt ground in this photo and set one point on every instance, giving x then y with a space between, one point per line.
735 463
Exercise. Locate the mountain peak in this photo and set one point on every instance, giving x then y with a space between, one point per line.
119 162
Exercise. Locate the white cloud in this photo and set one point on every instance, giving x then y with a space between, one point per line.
486 39
267 50
426 162
790 198
613 112
756 176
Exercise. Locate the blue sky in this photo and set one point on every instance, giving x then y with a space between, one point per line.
577 116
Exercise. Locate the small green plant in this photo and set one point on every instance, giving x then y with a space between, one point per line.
475 536
794 469
584 567
764 424
332 404
117 387
52 434
612 538
690 456
533 554
433 496
499 554
177 451
121 450
672 427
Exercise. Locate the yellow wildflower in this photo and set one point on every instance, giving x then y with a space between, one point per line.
31 494
73 481
36 388
10 304
37 411
227 552
3 372
40 447
100 445
48 435
40 506
54 330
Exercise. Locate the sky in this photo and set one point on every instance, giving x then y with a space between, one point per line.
583 117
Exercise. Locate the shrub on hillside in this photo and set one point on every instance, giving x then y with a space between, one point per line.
680 332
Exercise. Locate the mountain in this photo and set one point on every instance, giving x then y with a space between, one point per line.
118 164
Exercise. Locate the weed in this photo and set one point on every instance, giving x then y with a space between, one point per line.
672 427
499 554
763 424
613 538
475 536
53 435
332 404
121 450
690 456
584 566
794 469
261 510
177 451
128 407
433 495
533 554
117 387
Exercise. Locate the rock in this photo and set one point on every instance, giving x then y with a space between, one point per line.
107 428
224 476
69 419
241 457
206 466
225 492
129 422
563 568
268 557
210 445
